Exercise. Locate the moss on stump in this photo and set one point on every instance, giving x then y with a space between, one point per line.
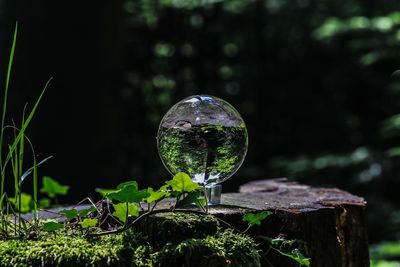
169 239
64 250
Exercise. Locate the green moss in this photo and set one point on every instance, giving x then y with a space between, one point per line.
226 248
181 239
176 227
177 239
64 250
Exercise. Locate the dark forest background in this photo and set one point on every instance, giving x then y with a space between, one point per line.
315 82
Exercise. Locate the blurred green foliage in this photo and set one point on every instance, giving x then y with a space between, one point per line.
385 255
314 80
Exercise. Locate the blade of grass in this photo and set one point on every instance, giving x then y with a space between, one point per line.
17 188
35 186
33 169
22 131
3 115
3 226
22 146
17 185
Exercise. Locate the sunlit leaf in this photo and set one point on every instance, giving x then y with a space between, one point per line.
44 203
86 223
128 193
130 183
255 219
53 188
297 256
70 214
156 195
52 226
103 191
26 202
192 198
182 182
85 212
121 211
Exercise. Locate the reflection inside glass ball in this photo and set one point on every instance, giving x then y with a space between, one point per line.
203 136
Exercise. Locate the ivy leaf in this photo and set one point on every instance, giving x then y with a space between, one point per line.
131 183
44 203
87 223
26 202
255 219
85 212
200 202
128 193
182 182
52 188
191 197
156 195
103 191
120 211
297 256
52 226
70 214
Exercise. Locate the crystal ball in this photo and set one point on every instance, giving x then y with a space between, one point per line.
203 136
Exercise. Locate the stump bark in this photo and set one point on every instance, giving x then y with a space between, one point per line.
330 221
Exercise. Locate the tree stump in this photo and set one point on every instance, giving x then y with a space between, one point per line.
330 221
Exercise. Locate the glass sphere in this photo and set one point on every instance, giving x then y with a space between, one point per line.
203 136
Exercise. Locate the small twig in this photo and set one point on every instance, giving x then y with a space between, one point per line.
87 199
141 207
105 219
247 229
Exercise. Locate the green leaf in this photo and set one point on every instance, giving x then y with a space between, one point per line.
103 191
200 202
52 188
44 203
297 256
120 211
52 226
26 202
128 193
86 223
156 195
70 214
131 183
191 198
182 182
5 98
85 212
255 219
